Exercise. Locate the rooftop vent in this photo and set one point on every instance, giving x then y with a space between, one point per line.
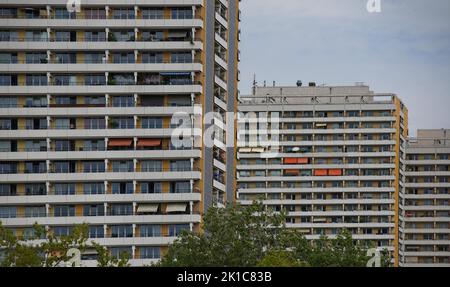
312 84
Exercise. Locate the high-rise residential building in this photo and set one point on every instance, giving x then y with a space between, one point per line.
425 208
331 157
87 95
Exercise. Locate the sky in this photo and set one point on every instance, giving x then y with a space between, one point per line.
404 49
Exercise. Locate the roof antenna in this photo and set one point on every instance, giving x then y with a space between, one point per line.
255 84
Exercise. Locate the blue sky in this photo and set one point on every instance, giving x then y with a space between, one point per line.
405 49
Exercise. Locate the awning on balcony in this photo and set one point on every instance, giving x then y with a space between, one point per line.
258 150
178 34
120 142
149 142
147 208
245 150
319 219
176 207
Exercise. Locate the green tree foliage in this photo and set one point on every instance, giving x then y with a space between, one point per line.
239 236
33 251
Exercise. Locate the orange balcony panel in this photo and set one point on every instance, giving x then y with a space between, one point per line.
120 142
303 160
149 142
335 172
320 172
290 160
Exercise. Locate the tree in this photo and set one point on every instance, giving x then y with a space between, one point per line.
44 249
233 236
249 236
280 258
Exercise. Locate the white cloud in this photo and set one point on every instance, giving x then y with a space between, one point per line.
405 49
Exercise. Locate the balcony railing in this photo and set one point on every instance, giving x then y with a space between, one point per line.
95 39
85 170
96 17
184 82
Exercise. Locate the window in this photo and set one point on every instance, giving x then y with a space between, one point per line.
64 210
152 36
123 101
118 252
152 57
94 58
176 229
152 123
95 36
122 123
94 188
35 211
64 167
150 252
94 13
8 102
36 102
123 58
123 13
66 100
7 190
36 167
94 210
6 36
63 145
36 58
180 187
94 166
122 166
119 231
64 189
121 36
66 58
94 145
94 123
35 36
152 13
8 212
35 189
151 187
181 57
65 80
65 36
151 166
62 230
180 165
36 80
95 80
122 188
95 100
150 230
96 231
182 13
121 209
63 13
